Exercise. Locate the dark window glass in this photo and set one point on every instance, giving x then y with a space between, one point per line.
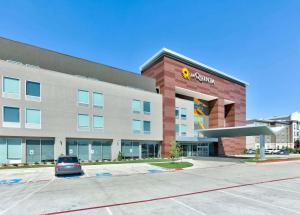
67 160
147 107
33 89
11 114
147 126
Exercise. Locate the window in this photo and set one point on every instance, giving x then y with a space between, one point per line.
147 127
10 149
11 87
11 117
177 113
98 99
83 97
14 150
183 113
98 121
136 126
136 106
33 89
183 129
147 108
83 121
177 128
33 118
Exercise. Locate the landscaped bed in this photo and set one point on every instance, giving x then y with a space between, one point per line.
269 160
173 165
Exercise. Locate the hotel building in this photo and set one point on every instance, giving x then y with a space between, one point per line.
53 104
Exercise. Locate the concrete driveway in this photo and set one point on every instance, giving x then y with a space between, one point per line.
232 188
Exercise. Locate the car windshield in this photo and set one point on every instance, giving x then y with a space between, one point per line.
67 160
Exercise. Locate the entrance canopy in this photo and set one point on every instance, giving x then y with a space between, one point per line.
239 131
243 131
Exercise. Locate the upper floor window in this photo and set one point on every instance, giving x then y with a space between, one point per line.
136 126
83 121
147 107
183 113
177 128
33 89
11 116
177 113
33 118
11 87
147 127
183 129
83 97
98 122
97 99
136 106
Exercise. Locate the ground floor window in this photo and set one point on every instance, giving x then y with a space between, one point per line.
150 149
132 149
86 149
39 150
10 149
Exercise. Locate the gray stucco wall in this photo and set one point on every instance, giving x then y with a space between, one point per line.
59 108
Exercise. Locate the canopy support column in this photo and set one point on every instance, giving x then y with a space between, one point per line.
262 147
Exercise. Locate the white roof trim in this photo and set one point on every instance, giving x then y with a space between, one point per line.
168 51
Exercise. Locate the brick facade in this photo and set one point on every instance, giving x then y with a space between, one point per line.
167 72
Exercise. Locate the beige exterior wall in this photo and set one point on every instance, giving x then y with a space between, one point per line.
59 108
189 121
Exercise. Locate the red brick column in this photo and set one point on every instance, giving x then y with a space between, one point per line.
230 115
216 114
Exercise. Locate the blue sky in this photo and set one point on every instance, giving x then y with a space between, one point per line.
256 41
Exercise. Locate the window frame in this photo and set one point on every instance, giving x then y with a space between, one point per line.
183 133
33 98
147 132
181 110
97 106
177 108
147 112
33 125
132 109
83 128
11 124
98 128
88 100
11 95
132 127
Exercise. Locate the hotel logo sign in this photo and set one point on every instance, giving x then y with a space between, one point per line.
197 76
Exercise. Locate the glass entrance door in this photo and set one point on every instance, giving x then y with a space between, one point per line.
203 149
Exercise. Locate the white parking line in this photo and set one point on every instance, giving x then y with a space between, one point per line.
189 207
25 197
279 189
258 201
109 211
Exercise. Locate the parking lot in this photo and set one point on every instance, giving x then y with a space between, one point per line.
211 187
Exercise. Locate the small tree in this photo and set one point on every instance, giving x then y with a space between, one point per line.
175 151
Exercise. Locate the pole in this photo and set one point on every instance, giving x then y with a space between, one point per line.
262 147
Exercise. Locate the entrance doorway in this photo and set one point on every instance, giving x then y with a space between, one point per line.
203 149
195 149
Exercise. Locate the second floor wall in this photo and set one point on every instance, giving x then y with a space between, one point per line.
57 104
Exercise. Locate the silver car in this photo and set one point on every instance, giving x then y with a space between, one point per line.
67 165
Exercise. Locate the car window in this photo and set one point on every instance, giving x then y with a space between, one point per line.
67 160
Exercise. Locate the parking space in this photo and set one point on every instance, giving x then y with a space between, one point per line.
226 189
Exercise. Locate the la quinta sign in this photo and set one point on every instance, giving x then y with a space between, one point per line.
197 76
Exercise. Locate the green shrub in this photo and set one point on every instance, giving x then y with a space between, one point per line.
175 151
257 154
120 157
